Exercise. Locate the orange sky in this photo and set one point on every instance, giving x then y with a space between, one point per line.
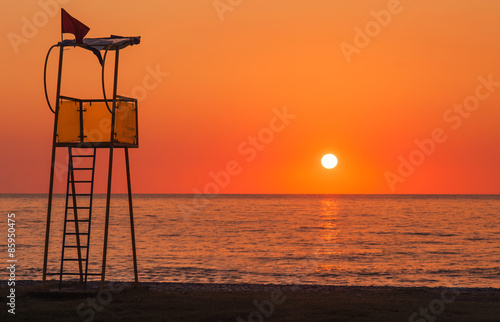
227 78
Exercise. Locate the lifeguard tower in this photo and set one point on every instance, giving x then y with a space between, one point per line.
82 126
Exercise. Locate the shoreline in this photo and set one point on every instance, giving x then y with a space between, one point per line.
241 286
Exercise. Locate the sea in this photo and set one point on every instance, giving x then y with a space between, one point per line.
362 240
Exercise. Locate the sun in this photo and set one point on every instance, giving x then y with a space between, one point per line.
329 161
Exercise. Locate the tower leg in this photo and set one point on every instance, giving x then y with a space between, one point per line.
110 170
106 222
49 212
131 211
52 168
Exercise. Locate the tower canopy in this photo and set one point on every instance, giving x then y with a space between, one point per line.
95 45
112 42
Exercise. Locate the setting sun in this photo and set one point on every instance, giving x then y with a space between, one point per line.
329 161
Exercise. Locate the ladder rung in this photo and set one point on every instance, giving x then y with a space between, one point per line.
77 234
78 207
83 156
74 246
79 220
83 168
74 259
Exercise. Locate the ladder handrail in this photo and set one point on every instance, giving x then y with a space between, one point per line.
90 216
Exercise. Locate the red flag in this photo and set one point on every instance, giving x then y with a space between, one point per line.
72 26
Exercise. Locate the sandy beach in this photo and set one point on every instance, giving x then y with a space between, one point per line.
249 302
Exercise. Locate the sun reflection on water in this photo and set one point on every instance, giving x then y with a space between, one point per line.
329 243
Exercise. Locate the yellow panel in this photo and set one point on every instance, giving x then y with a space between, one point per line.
96 122
68 122
125 123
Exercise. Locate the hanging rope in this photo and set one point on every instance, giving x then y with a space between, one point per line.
45 78
103 83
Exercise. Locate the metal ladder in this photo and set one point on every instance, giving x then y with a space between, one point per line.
77 208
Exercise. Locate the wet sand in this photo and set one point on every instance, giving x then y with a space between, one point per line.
248 302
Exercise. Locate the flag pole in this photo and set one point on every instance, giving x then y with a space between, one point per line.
62 24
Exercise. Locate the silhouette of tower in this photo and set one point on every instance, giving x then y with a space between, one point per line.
82 126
